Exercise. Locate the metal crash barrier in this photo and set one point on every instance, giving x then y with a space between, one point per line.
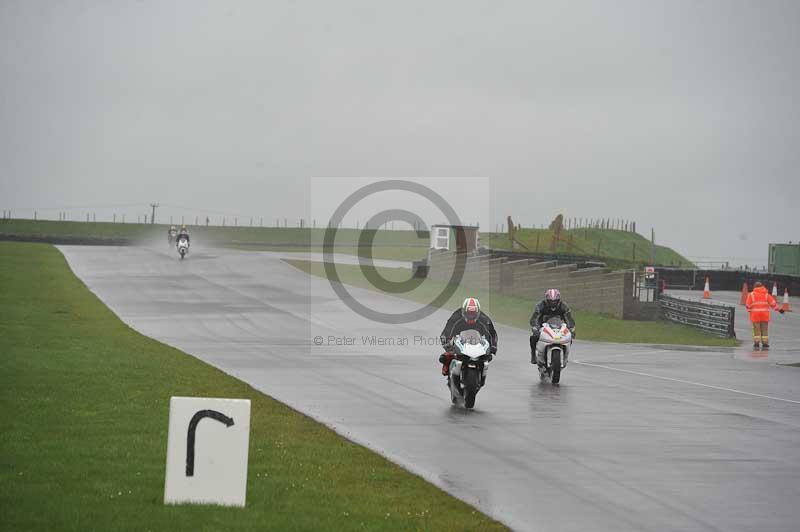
716 319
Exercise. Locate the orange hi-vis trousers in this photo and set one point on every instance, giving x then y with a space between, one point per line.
760 333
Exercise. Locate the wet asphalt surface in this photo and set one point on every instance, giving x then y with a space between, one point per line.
635 438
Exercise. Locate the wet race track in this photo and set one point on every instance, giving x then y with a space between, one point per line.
635 438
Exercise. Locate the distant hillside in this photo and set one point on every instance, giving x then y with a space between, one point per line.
386 244
221 235
618 248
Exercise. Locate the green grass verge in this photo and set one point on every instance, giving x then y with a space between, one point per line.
83 430
387 253
517 311
620 249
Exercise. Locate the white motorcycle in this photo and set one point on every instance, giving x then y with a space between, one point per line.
469 367
183 247
552 349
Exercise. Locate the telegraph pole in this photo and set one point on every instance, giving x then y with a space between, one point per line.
153 217
652 246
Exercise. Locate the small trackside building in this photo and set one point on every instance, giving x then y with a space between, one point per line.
459 238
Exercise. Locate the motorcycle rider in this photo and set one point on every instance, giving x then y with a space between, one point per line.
549 307
469 316
183 233
171 232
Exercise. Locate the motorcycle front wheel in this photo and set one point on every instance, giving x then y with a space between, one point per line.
556 369
470 388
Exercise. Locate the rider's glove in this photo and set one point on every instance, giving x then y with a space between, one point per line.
572 332
781 311
535 330
493 349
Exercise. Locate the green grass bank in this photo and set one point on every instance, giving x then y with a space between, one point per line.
619 249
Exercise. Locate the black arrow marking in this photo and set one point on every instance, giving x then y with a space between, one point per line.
213 414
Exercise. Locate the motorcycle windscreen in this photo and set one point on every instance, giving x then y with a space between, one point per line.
470 337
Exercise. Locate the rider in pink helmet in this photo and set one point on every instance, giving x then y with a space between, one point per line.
549 307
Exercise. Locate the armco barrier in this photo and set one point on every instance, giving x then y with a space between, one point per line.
717 319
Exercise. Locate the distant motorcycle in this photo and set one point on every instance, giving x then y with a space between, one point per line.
183 247
171 234
552 349
469 367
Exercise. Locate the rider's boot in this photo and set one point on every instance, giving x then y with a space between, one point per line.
445 359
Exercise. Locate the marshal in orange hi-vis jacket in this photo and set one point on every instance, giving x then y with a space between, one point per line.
758 303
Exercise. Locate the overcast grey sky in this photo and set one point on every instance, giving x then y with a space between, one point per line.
680 115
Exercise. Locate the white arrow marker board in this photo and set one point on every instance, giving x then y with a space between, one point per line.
207 451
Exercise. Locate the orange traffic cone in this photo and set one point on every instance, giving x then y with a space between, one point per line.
745 291
775 290
785 306
706 291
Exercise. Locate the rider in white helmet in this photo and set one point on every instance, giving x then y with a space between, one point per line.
469 316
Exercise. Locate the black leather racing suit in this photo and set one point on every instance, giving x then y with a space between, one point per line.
542 313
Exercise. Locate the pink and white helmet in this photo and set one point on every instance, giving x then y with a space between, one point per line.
552 297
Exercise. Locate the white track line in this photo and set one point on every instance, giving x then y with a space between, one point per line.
688 382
